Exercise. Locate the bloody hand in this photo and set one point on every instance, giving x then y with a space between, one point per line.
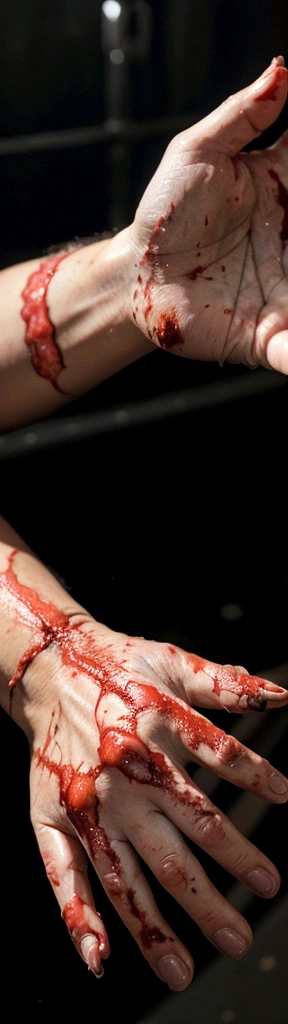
112 726
210 236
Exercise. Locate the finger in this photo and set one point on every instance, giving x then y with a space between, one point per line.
210 685
192 737
277 350
121 876
161 846
243 117
66 867
197 817
230 759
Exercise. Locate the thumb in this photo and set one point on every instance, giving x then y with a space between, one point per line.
242 117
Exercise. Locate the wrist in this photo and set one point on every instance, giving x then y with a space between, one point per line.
35 611
91 305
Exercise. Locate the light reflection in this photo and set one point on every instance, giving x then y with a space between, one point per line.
111 9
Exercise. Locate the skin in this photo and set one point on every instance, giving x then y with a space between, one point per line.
217 262
98 762
202 270
112 725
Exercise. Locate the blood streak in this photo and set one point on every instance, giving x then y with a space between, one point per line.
148 935
282 199
149 254
120 748
75 916
226 677
150 257
46 357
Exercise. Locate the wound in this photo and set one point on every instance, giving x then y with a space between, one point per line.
46 357
168 331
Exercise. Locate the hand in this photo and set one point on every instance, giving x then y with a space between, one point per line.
110 743
210 236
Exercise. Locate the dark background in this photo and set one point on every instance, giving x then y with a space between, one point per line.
175 529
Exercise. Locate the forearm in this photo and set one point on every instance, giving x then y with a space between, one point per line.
89 303
35 611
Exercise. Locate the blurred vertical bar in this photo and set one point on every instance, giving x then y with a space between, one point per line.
189 36
126 32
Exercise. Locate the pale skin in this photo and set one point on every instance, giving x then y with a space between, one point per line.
83 717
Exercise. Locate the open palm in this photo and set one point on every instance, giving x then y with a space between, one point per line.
210 236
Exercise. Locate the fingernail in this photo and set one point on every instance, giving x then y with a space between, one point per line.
90 951
262 881
173 971
278 784
230 942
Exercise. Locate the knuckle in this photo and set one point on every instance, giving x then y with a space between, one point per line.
210 828
172 872
239 864
229 750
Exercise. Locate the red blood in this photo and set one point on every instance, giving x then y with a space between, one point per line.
116 744
40 333
168 332
148 935
282 199
206 220
123 749
236 199
149 255
171 649
135 295
81 793
50 868
75 916
207 305
223 270
228 310
139 279
32 611
193 888
52 877
195 273
147 309
147 295
226 677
